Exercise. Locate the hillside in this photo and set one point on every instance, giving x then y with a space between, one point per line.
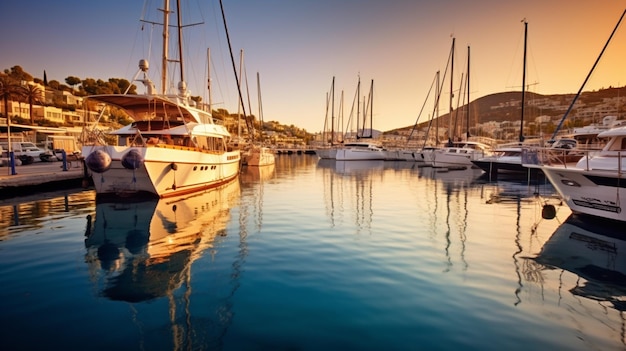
506 106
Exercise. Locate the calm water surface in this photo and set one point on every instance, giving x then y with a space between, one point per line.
313 255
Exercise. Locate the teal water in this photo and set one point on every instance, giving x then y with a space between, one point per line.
313 255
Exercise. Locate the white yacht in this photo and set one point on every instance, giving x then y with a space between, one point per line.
361 151
460 154
596 183
259 156
173 147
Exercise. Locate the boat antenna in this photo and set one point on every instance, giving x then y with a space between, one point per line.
588 75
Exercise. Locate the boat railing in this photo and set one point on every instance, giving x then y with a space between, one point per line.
552 156
567 158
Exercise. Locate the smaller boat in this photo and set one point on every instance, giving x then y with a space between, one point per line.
259 156
506 159
361 151
460 154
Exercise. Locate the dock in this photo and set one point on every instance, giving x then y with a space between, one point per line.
41 176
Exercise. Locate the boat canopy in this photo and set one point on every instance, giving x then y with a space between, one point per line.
151 107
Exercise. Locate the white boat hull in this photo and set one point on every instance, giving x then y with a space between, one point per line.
165 171
593 192
360 154
260 157
326 153
444 159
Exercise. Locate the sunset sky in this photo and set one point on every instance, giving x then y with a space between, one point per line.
298 46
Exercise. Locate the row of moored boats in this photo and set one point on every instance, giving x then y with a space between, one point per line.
587 168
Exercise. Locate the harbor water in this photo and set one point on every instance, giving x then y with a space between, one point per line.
313 255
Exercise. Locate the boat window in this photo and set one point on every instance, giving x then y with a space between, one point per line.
623 144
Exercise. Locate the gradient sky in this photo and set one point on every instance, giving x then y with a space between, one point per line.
298 46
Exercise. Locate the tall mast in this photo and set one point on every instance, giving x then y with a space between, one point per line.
180 41
521 130
208 54
240 104
372 110
468 92
164 59
341 117
451 92
332 113
439 89
358 105
258 84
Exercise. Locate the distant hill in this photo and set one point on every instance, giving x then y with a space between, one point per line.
506 106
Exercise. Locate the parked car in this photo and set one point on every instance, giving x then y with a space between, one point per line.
24 151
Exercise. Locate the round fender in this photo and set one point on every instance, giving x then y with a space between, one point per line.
548 212
98 161
132 159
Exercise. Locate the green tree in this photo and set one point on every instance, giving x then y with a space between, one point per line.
17 74
54 84
72 81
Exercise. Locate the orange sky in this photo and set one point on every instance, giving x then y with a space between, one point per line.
298 46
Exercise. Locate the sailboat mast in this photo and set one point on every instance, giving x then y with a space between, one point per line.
208 54
164 58
332 113
521 130
372 110
340 122
240 104
180 41
258 84
451 92
439 89
358 106
467 116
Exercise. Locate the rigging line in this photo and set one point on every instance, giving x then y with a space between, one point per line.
452 131
348 124
435 112
232 59
422 109
588 76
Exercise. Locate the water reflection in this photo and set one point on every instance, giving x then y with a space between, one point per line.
596 252
138 251
253 181
348 189
35 211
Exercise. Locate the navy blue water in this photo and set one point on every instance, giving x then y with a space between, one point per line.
312 255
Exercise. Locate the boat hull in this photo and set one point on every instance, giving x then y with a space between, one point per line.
592 192
501 165
359 154
164 171
260 157
444 160
326 153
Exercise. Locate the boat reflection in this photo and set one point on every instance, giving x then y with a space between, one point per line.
451 178
593 250
353 167
143 250
251 175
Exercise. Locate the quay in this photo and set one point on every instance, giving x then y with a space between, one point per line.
41 176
